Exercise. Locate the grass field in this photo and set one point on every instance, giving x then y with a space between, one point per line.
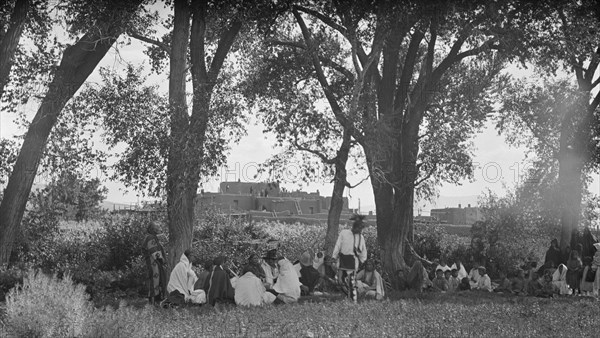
471 314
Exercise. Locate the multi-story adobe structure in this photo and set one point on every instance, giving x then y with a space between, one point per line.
266 197
458 216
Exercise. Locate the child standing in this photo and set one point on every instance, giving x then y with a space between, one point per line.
587 279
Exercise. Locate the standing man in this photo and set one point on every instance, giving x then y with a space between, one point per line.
351 250
155 262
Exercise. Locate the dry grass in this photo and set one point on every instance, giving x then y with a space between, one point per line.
407 314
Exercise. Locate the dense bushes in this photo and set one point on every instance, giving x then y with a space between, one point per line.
45 306
513 232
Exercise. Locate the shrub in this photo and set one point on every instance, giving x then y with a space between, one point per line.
217 234
9 278
45 306
433 242
122 236
513 232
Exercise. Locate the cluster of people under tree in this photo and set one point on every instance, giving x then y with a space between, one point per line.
274 279
563 273
268 279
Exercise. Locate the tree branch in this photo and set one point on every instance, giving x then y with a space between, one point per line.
350 186
197 48
325 19
414 253
595 103
319 154
591 70
223 48
335 107
294 44
326 61
157 43
336 66
426 177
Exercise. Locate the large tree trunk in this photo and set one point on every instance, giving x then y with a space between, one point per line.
78 62
337 196
575 137
188 133
570 182
10 40
180 206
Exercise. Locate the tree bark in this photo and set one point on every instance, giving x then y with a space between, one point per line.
575 136
188 133
179 200
78 62
337 196
570 182
10 40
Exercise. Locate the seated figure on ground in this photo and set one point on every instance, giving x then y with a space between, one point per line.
255 261
203 275
218 286
462 272
270 269
559 280
519 283
540 286
474 275
465 284
505 283
484 283
287 287
453 280
328 273
249 290
369 282
318 259
439 282
309 276
181 283
413 278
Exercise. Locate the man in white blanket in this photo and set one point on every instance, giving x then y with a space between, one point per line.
249 289
182 280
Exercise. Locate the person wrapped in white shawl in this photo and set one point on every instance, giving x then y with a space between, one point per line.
288 284
183 278
249 289
559 280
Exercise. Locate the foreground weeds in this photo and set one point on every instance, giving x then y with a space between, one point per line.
469 314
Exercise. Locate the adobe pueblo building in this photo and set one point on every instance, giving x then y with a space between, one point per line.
458 216
266 199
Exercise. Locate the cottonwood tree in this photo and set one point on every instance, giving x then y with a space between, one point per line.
134 116
403 55
100 23
14 18
562 115
208 30
286 91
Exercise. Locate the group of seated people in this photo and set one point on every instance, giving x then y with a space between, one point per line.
527 281
272 279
